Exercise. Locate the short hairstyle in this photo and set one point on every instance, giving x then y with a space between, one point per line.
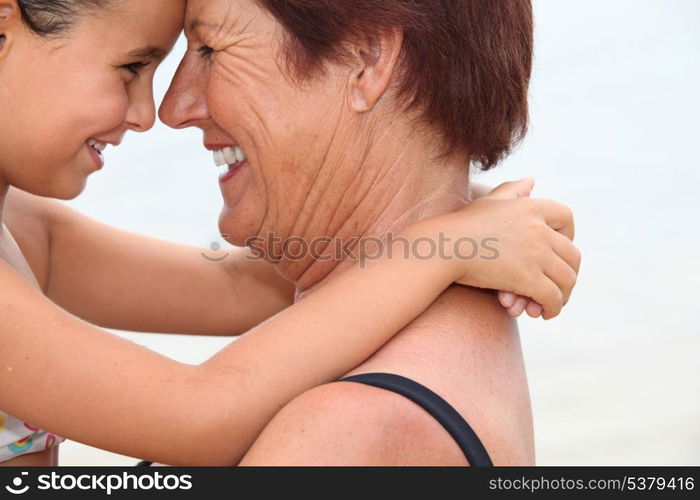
465 64
55 17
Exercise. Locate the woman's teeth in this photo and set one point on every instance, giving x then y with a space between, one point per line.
228 156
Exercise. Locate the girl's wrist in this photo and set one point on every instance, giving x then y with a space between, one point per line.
432 243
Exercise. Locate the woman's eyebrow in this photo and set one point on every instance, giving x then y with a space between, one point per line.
218 28
148 52
197 23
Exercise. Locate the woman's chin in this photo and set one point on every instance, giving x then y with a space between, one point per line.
236 228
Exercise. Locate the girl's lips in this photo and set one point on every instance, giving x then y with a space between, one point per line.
232 171
97 157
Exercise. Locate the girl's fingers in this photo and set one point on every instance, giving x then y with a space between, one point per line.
515 189
549 296
565 249
518 303
518 307
559 217
507 299
479 190
563 276
534 310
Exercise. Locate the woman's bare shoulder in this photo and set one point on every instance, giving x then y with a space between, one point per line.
462 323
465 348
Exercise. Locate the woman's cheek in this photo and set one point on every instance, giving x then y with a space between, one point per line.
224 108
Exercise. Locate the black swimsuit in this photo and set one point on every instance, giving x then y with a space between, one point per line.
440 409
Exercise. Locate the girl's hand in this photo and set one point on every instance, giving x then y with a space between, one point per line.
514 304
535 256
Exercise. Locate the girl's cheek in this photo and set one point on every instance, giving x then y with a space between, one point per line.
115 109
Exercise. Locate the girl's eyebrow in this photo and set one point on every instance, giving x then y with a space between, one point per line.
148 52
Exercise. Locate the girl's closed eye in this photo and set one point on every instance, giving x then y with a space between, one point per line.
136 67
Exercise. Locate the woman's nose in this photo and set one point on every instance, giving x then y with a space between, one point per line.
185 104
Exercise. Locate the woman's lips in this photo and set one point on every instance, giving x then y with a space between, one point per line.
232 171
96 156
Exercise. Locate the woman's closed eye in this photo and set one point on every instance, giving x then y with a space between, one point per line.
205 51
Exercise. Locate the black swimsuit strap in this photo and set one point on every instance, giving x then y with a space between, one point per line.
440 409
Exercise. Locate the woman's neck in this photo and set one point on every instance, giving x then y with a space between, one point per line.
406 187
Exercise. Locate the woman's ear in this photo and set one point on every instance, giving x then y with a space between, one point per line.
374 62
9 18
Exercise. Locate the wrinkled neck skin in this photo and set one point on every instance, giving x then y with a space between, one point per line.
382 182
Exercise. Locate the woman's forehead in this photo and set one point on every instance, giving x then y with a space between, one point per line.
216 12
219 14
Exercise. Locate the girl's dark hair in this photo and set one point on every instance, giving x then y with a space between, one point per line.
55 17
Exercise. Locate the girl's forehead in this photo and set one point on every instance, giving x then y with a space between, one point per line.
153 24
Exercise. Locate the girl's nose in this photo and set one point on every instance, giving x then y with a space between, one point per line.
142 117
142 111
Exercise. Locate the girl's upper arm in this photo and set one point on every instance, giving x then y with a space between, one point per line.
70 378
73 379
126 281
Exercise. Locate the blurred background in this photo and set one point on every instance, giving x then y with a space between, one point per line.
616 378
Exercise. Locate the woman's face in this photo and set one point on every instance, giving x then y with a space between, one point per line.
233 84
58 96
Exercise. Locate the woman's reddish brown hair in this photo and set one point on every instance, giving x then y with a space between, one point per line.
466 64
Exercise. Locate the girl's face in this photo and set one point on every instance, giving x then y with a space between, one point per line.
58 96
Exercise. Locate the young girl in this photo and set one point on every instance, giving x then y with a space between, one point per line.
75 75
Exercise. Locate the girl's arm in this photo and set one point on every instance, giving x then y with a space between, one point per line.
73 379
116 279
67 376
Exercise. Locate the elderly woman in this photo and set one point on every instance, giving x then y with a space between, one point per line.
357 175
356 118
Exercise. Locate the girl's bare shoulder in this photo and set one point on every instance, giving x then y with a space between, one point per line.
28 218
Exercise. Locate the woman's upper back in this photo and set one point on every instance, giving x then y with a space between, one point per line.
464 348
467 349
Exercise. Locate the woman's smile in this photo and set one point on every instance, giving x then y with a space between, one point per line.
231 171
229 159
